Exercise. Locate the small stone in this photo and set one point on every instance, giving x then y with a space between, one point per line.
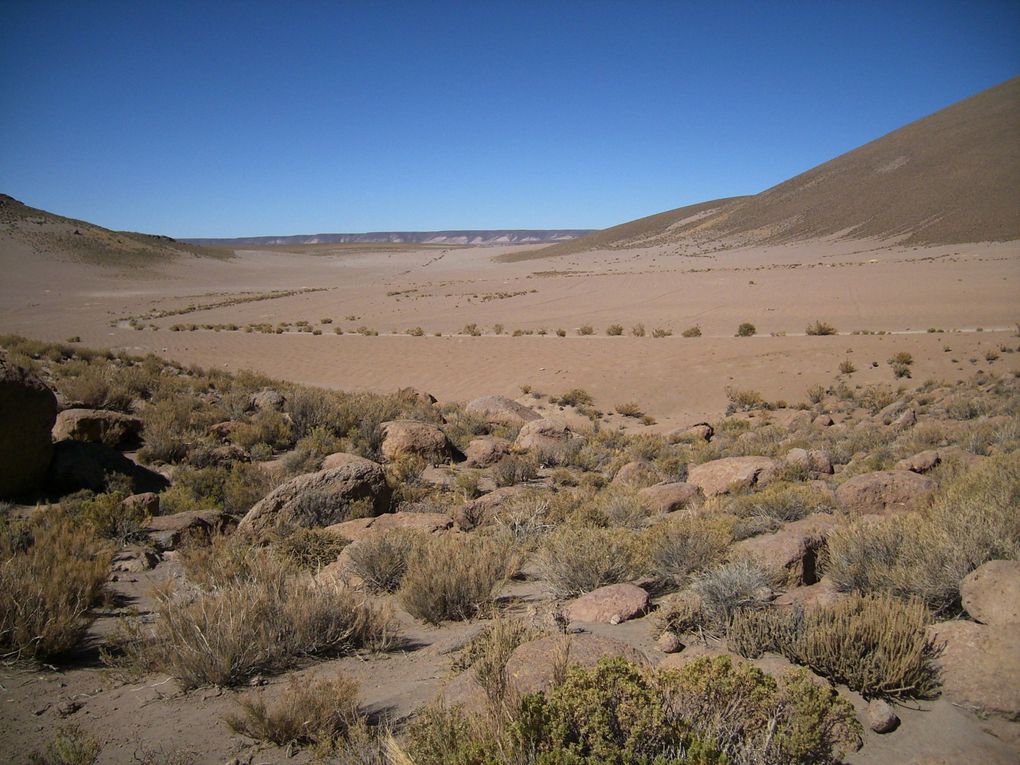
668 642
68 708
881 717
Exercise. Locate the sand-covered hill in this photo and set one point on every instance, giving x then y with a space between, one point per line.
30 232
949 178
452 237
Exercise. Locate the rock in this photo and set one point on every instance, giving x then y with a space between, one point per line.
905 420
223 430
980 666
611 604
429 523
135 560
889 413
821 593
636 473
532 665
542 435
339 459
352 530
419 439
321 499
701 431
86 465
921 462
486 451
28 410
730 473
147 502
168 531
670 497
793 549
111 428
669 642
500 409
422 397
823 421
815 461
790 419
881 717
480 512
267 399
884 491
991 593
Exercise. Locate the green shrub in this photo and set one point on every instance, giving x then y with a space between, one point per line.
576 560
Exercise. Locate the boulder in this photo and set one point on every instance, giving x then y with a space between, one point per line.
321 499
670 497
134 560
991 593
884 491
266 400
429 523
611 604
731 473
486 451
147 502
888 414
114 429
701 431
636 473
980 666
28 410
501 410
532 665
168 531
542 435
352 530
418 439
480 512
86 465
922 462
793 549
814 461
881 717
821 593
905 420
823 421
790 419
669 642
339 459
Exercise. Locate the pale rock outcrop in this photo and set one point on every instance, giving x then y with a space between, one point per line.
500 409
730 473
99 425
670 497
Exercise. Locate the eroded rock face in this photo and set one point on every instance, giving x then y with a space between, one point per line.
670 497
28 410
980 666
267 400
815 462
168 531
611 604
419 439
884 491
321 499
793 549
98 425
991 593
731 473
500 409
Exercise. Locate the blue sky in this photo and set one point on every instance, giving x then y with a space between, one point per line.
247 118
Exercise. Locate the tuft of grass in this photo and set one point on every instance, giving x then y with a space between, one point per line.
820 327
578 560
661 332
729 587
614 330
681 547
380 560
629 409
694 331
847 367
585 330
70 746
746 329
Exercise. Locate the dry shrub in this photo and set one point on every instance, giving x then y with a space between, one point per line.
820 327
743 400
450 577
725 589
95 387
694 331
576 560
380 559
782 502
746 329
316 712
927 554
685 545
513 469
70 746
524 520
171 427
263 620
308 549
266 427
51 573
629 409
488 652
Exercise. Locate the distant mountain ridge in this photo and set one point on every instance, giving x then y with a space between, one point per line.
949 178
475 237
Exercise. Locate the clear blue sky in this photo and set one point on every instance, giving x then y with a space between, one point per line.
222 118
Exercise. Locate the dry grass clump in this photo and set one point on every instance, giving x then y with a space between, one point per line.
70 746
264 618
746 329
614 330
694 331
847 367
683 546
51 572
629 409
576 560
743 400
453 578
875 644
586 330
638 330
513 469
662 332
820 327
308 549
730 587
380 560
781 502
488 652
927 554
316 712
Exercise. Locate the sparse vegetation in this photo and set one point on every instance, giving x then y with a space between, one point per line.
694 331
578 560
820 327
746 329
614 330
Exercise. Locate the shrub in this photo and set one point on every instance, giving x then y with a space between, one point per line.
683 546
729 587
471 329
901 370
781 502
487 653
847 367
576 397
51 573
381 559
309 549
747 329
513 469
316 712
694 331
578 560
614 330
418 332
454 578
629 409
903 358
661 332
744 400
638 330
261 620
70 746
561 333
587 329
820 328
171 426
266 427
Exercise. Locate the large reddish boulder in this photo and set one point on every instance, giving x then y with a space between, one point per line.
980 666
884 491
636 473
793 550
732 473
991 593
485 451
669 497
611 604
418 439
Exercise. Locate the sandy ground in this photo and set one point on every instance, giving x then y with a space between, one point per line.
855 286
